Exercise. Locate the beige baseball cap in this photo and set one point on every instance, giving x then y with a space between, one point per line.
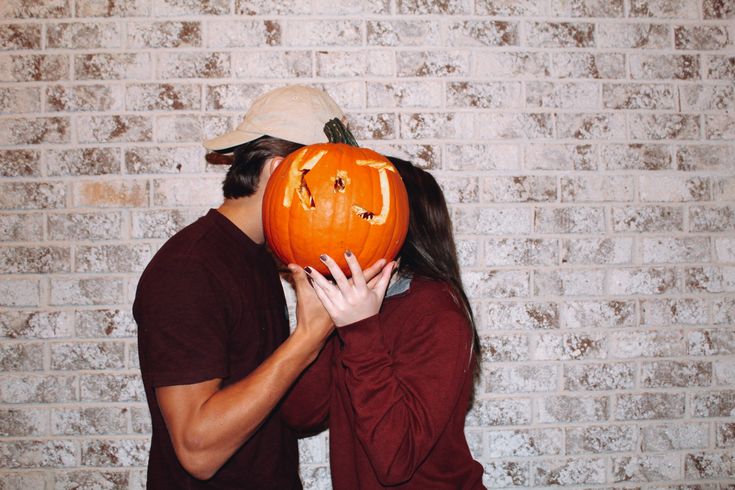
294 113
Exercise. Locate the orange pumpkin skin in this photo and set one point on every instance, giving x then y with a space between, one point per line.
331 197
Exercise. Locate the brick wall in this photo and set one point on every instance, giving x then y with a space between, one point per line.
585 146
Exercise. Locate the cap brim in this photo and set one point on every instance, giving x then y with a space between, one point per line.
230 140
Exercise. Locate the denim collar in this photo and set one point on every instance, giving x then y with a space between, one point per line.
401 284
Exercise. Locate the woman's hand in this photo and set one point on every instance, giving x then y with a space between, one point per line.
355 299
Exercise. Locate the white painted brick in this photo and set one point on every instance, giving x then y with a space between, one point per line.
674 189
492 220
513 126
588 65
499 284
85 291
520 188
520 251
655 280
506 474
521 443
36 324
629 35
597 251
616 188
576 219
20 292
41 388
115 452
521 316
483 33
265 64
577 96
482 157
19 422
656 250
569 282
434 125
23 480
591 126
665 312
711 342
630 344
601 439
570 346
646 468
494 64
242 33
520 379
403 33
306 33
404 94
725 249
560 157
724 372
68 480
200 192
599 377
501 95
598 314
647 406
674 436
499 412
569 472
38 454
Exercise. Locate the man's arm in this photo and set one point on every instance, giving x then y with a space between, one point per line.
208 423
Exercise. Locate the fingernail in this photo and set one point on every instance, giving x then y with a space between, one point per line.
307 269
323 257
348 253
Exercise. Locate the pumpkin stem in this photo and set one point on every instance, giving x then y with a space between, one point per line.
337 133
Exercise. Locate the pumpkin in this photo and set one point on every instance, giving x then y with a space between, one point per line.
330 197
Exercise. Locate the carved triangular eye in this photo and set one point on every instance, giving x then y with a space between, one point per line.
304 192
297 180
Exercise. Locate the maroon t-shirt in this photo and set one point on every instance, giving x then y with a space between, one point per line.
210 305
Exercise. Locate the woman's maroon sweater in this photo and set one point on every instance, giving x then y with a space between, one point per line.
394 390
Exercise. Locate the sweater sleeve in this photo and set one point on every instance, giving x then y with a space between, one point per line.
306 406
403 398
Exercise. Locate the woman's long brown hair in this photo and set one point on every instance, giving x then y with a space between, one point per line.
429 250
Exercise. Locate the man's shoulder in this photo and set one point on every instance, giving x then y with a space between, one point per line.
189 248
191 241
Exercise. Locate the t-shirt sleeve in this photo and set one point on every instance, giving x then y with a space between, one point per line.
182 325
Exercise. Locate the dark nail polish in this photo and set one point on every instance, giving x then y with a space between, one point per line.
323 257
348 253
307 269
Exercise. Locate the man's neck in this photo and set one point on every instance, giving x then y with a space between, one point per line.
245 213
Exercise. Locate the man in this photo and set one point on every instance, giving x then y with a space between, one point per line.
215 352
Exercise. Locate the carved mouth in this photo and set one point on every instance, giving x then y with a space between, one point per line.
370 216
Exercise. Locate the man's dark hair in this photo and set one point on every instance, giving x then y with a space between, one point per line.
244 174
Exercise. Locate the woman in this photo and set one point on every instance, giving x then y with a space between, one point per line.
395 382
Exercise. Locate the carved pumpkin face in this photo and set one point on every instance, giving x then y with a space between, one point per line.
331 197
